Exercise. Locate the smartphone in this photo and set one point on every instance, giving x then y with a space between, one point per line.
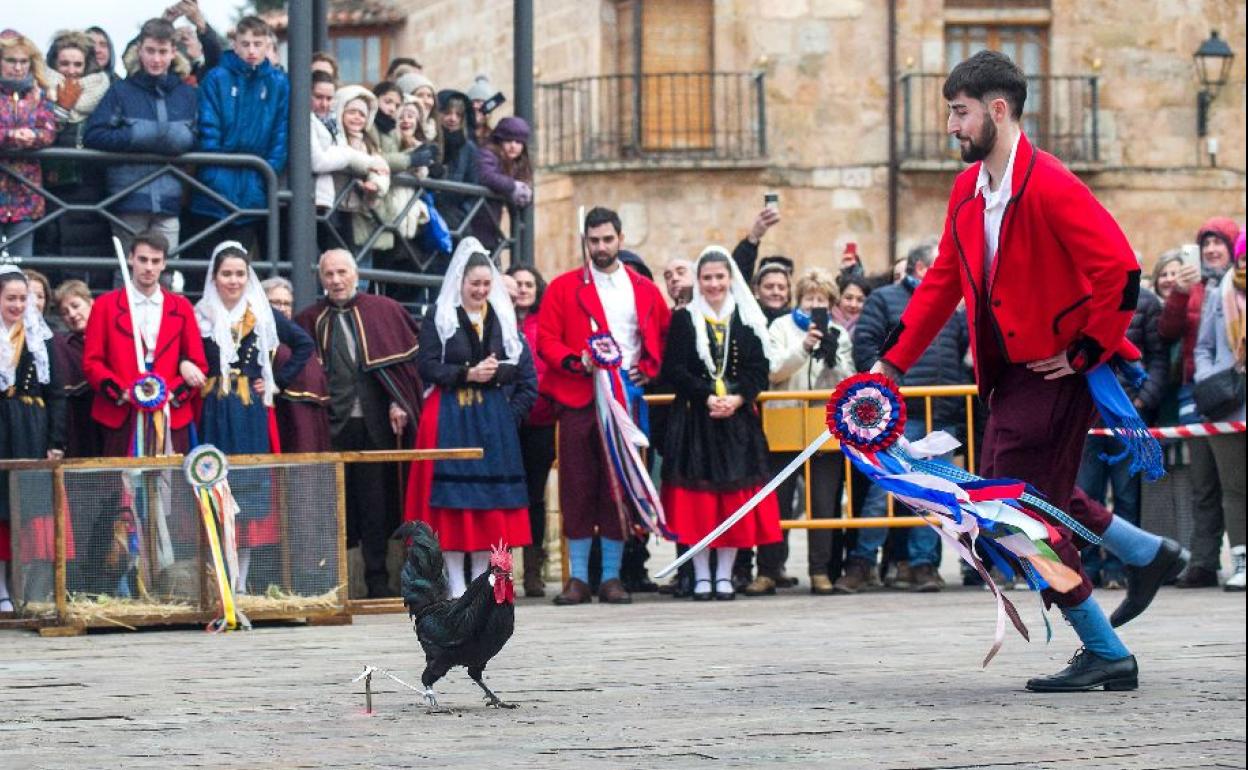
771 201
1191 254
819 318
493 103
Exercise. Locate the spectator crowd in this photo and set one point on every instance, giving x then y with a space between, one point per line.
498 360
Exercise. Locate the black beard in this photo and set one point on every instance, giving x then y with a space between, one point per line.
602 261
979 147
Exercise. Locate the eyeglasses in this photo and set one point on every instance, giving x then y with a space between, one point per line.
281 303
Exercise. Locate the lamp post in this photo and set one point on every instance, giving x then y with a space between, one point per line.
1213 67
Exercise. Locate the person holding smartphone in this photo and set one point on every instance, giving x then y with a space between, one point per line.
811 353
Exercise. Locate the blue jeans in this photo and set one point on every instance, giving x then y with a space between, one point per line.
922 544
1096 477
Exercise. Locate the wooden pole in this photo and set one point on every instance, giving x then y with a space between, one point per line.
340 481
58 534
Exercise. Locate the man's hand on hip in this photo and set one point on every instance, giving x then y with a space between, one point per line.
1053 368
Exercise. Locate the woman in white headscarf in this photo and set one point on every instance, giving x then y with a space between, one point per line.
481 385
32 413
241 334
715 456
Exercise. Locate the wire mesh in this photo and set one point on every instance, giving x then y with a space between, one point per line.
136 546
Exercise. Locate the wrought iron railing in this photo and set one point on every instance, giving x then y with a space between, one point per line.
1061 115
419 268
652 119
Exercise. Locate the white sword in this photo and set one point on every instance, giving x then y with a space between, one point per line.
749 504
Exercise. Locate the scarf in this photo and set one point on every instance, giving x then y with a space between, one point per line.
739 300
1232 288
451 297
30 333
843 319
18 86
384 123
219 323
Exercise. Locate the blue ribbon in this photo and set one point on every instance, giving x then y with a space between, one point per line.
1119 415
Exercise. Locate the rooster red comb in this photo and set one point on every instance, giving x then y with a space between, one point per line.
500 557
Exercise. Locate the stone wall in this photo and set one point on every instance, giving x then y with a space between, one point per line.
827 109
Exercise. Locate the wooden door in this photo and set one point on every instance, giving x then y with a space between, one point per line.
677 85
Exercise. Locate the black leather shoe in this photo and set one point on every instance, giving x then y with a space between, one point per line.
1089 671
1144 582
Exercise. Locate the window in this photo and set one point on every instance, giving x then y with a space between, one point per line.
674 74
1027 45
362 57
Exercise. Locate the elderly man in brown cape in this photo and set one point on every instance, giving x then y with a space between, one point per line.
368 346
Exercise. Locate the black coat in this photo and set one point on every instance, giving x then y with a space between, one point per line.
464 350
943 363
721 455
249 365
1144 334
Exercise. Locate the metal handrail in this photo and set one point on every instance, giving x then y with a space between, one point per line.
166 164
653 119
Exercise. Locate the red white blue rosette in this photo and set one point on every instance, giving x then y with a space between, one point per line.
867 412
150 392
604 351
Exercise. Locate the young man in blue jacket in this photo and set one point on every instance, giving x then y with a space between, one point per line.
152 110
244 106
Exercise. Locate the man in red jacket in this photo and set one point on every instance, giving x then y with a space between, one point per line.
1050 284
604 295
169 345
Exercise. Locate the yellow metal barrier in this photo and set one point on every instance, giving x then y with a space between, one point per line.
794 418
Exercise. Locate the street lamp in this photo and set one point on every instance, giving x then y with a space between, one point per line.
1213 67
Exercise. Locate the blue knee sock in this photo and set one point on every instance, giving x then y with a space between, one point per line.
1130 543
578 558
612 556
1094 630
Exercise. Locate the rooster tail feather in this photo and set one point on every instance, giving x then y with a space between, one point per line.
423 578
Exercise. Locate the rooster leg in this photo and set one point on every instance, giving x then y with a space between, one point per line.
431 701
490 698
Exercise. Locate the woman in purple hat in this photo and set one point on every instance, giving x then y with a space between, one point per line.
503 165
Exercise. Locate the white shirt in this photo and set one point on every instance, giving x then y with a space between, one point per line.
615 291
145 313
994 206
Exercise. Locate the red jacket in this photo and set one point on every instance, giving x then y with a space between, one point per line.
563 328
110 366
1180 320
1064 278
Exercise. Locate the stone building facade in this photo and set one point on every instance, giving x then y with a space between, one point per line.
825 73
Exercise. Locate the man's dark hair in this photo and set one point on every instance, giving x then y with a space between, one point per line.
924 252
598 216
152 239
253 25
156 29
989 73
320 76
400 61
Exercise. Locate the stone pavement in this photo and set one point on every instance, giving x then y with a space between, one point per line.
872 681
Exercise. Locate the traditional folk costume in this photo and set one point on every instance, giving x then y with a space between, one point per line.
1044 268
83 437
368 347
302 405
32 421
472 505
240 343
592 496
711 466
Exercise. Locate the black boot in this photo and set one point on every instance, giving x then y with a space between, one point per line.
1144 582
1089 671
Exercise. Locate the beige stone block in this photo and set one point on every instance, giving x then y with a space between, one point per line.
844 199
783 9
836 9
856 177
825 177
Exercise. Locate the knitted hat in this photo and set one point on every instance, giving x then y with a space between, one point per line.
413 81
481 89
511 129
1223 228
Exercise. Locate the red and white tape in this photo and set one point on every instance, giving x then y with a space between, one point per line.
1195 430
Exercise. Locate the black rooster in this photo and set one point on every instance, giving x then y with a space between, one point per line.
468 631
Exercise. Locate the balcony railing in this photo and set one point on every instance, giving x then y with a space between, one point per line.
686 118
1061 116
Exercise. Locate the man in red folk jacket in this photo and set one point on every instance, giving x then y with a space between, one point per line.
1050 284
169 344
601 296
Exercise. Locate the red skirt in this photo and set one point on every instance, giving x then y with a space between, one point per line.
692 514
458 529
38 540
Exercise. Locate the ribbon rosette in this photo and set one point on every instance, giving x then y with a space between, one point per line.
604 351
866 412
150 392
